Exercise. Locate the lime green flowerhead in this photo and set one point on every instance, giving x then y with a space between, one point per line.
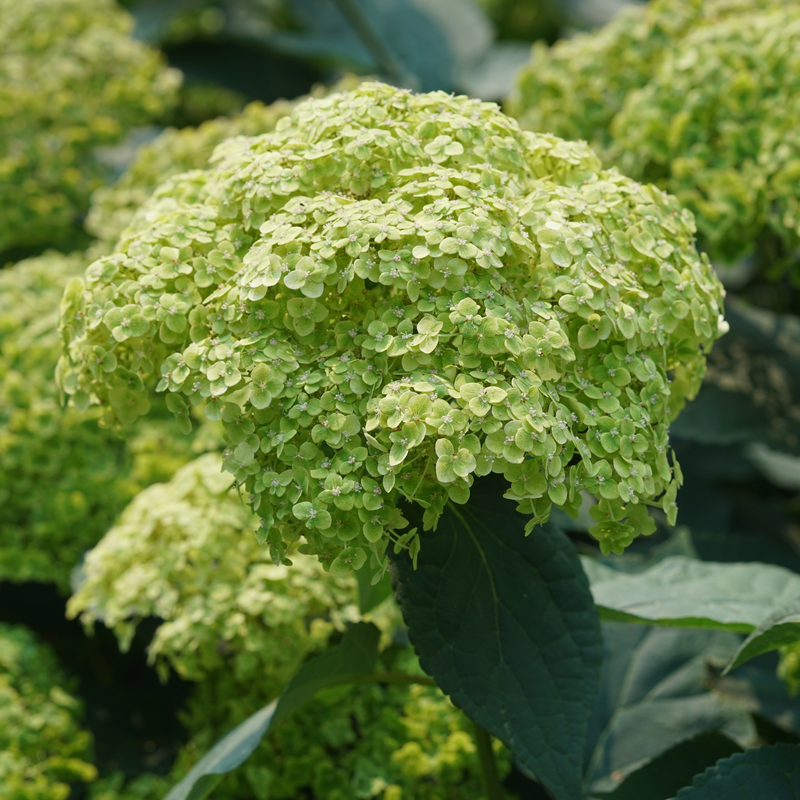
575 87
71 80
63 477
698 96
176 151
394 294
718 124
44 750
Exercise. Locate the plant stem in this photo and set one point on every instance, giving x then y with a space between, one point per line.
386 62
491 781
403 677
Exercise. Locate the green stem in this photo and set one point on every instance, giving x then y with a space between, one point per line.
386 62
491 781
402 677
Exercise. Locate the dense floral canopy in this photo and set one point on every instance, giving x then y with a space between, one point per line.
174 151
394 294
43 749
71 80
699 96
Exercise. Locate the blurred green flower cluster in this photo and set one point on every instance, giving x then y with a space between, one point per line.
63 479
393 294
717 125
42 747
186 552
71 80
175 151
699 97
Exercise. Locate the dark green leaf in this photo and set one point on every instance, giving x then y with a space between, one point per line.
428 39
352 659
752 388
779 628
764 773
756 687
695 594
506 626
653 695
370 595
153 18
666 774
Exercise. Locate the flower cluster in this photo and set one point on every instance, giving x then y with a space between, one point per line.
697 96
575 87
63 478
43 748
71 79
186 552
175 151
718 125
394 294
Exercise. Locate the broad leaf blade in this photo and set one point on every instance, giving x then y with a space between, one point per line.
506 626
371 595
756 687
666 774
695 594
353 658
653 695
779 628
740 400
764 773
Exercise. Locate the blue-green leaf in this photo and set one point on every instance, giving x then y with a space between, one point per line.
779 628
694 594
352 659
666 774
654 695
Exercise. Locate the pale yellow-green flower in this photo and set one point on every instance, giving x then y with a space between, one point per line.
72 79
326 288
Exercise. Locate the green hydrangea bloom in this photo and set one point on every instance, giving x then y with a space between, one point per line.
71 79
718 126
42 747
393 294
696 96
789 667
63 478
175 151
186 552
577 86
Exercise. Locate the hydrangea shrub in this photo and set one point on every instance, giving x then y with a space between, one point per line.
42 747
71 80
717 126
186 552
63 478
175 151
394 294
575 87
699 97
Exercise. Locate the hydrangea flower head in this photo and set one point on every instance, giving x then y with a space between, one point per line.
72 80
393 294
698 96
